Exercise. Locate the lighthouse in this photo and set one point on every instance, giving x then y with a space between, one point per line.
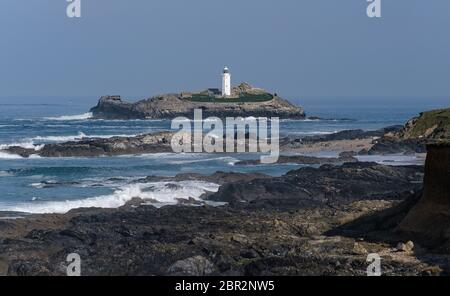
226 82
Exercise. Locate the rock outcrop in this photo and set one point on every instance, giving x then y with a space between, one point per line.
168 106
430 127
148 143
329 184
429 220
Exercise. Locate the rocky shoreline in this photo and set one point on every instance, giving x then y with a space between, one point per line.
311 221
321 220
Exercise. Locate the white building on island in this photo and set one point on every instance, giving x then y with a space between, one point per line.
226 82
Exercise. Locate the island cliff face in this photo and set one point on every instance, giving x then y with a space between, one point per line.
246 101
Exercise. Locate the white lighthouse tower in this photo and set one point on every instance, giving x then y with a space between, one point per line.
226 82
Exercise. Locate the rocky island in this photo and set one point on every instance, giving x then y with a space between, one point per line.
244 101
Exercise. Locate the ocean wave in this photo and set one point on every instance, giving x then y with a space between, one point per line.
25 144
156 193
53 171
188 161
5 155
318 120
312 133
36 142
84 116
112 182
163 155
5 174
59 138
77 137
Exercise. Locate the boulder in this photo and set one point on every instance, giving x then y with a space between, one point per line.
194 266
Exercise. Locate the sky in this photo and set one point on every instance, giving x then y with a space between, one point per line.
310 48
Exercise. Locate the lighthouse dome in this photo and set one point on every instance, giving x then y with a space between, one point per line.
226 70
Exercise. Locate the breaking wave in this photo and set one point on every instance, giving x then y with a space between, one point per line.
84 116
5 174
5 155
155 193
60 138
25 144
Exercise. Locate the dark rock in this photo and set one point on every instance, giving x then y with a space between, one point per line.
327 184
217 177
301 159
149 143
389 145
350 135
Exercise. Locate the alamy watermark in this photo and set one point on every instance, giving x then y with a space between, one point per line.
237 134
374 268
74 267
73 9
374 8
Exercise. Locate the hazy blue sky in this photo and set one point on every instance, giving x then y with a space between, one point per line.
295 47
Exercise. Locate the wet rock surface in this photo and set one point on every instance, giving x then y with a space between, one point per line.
268 234
329 184
180 240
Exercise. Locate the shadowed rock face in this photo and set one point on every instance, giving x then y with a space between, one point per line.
169 106
429 220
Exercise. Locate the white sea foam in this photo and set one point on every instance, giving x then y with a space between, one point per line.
5 174
203 160
299 120
25 144
312 133
5 155
59 138
30 143
77 137
159 193
84 116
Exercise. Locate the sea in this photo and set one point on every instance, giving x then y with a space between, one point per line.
57 185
